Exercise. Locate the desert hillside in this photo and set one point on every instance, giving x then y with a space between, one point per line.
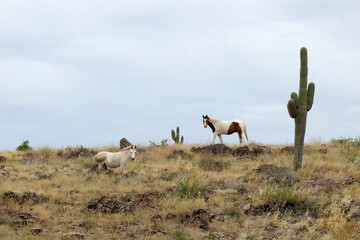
182 192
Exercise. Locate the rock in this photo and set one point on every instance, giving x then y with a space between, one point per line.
213 165
352 209
125 204
277 174
247 207
130 174
355 214
215 149
25 197
201 218
124 143
243 152
17 218
323 150
42 175
260 149
287 149
36 230
242 191
73 235
343 180
2 159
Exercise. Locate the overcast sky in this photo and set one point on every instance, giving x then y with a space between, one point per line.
91 72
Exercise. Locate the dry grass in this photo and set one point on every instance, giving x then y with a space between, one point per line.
280 209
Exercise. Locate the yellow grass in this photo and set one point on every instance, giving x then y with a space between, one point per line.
68 186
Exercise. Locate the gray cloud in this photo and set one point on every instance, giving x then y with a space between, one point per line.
90 73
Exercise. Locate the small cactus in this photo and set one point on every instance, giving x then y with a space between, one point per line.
176 137
299 105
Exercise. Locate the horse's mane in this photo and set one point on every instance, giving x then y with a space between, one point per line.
126 148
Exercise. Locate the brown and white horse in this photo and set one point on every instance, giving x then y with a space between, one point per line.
220 127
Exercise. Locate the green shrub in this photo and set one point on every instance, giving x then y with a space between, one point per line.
24 146
126 197
232 212
190 186
343 140
282 196
351 151
87 163
181 234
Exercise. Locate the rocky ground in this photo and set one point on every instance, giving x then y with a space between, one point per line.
181 192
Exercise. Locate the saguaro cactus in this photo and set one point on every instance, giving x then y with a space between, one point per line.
299 105
176 137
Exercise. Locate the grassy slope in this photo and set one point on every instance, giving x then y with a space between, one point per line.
70 186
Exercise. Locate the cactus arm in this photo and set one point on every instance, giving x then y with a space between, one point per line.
295 98
177 134
292 108
173 135
310 95
182 140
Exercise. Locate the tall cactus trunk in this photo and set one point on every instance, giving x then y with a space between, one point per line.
300 127
300 120
298 106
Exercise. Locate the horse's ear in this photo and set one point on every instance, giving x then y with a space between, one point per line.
203 116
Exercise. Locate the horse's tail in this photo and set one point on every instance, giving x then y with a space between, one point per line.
247 139
100 157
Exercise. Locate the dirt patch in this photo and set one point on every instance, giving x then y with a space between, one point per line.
179 154
213 165
6 171
243 152
2 159
287 150
277 174
44 172
125 204
261 149
215 149
28 157
17 218
352 210
340 181
286 208
25 197
198 218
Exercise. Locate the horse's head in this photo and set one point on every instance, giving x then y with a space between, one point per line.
205 120
132 152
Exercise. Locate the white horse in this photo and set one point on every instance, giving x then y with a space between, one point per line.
219 127
117 159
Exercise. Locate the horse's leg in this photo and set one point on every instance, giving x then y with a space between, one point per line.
219 135
214 137
122 165
240 138
100 164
